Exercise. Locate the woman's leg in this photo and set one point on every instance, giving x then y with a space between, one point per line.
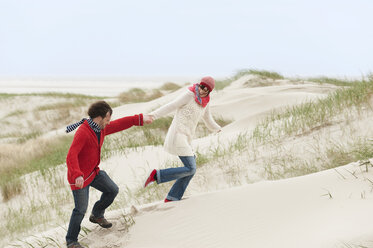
171 174
182 182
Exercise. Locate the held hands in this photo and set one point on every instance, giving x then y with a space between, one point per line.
148 119
79 182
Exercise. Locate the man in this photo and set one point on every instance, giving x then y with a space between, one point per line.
83 161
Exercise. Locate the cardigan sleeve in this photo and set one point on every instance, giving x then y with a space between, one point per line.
173 105
124 123
72 160
209 121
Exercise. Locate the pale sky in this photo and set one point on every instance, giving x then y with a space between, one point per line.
185 38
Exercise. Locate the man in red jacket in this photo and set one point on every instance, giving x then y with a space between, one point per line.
83 161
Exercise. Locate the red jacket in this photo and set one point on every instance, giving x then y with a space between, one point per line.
84 154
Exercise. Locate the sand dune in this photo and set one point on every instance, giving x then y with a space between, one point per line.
295 212
325 209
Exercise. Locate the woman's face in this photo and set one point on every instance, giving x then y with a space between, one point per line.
203 91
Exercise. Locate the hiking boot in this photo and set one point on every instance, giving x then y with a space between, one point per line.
74 245
101 221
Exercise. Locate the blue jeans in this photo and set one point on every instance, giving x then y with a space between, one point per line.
182 175
109 189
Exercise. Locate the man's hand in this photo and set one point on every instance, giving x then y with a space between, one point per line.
79 182
148 119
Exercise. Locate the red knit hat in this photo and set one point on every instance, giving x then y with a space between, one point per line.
209 82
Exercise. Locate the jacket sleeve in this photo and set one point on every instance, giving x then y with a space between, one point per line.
172 106
72 160
124 123
209 121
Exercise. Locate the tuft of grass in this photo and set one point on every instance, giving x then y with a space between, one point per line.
202 130
221 84
222 121
16 113
161 124
261 73
169 86
334 81
337 155
29 136
135 95
7 95
201 159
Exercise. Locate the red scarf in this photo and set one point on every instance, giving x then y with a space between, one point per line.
203 101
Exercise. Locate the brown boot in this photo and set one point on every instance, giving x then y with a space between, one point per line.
74 245
101 221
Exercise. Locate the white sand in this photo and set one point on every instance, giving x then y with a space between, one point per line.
287 213
296 212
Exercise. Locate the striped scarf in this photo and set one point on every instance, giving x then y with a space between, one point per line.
91 123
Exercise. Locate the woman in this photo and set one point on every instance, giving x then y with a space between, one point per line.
190 108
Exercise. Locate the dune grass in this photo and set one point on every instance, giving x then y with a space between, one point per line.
14 165
221 84
295 122
16 113
261 73
51 94
135 95
309 116
264 74
334 81
169 86
65 105
6 95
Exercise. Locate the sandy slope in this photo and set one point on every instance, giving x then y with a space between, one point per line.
326 209
287 213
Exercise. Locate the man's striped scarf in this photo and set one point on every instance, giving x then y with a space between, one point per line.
91 123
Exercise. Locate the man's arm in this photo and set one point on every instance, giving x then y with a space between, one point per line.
126 122
72 160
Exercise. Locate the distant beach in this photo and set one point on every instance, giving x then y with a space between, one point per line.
109 87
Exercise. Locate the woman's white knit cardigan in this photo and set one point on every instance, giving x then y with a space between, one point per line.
179 136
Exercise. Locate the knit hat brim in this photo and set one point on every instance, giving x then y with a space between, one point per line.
206 85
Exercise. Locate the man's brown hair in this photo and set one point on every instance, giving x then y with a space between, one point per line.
100 108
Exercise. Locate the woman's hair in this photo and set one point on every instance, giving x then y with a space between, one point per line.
100 108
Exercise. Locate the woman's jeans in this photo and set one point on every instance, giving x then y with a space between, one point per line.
109 189
182 175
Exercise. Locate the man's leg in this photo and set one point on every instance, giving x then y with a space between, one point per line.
81 203
109 189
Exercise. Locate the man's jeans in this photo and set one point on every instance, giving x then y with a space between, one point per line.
109 189
182 175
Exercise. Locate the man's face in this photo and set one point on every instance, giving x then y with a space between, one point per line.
105 120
